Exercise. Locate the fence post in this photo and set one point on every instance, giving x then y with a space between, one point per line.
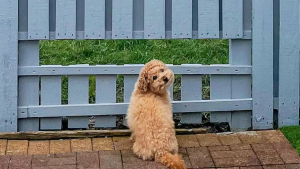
8 65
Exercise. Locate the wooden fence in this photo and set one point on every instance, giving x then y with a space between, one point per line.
260 83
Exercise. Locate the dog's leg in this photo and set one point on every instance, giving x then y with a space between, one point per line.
132 137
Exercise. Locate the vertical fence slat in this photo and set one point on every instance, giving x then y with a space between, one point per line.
240 54
208 19
122 19
182 19
106 93
78 94
232 18
51 95
154 19
65 19
94 22
289 63
38 19
28 94
191 89
262 61
220 88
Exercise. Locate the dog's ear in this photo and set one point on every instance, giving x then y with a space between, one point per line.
143 81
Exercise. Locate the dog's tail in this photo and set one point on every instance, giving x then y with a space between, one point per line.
173 161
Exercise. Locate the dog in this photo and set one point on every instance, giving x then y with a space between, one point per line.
150 118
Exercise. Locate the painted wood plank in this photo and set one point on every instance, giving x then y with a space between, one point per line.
208 19
222 105
182 19
240 54
288 113
94 19
220 88
38 19
65 19
154 19
191 89
122 19
78 94
28 94
232 16
106 93
51 95
262 60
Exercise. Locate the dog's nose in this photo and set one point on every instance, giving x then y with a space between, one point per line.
166 79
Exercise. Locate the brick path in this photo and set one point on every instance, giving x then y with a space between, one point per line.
246 150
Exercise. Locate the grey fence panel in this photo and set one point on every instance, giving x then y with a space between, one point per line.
232 13
28 94
191 89
94 19
106 93
262 60
182 19
122 19
289 63
38 19
65 19
78 93
51 95
220 88
208 19
154 22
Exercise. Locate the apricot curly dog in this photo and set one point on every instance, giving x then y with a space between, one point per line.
150 117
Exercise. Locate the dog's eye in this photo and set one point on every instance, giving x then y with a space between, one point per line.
154 77
162 70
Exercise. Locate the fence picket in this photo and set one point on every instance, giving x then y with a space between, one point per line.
122 19
65 19
94 19
182 19
232 19
154 19
208 19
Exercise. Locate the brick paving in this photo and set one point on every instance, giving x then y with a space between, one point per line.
243 150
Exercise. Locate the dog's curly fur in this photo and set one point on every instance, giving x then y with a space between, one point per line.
150 117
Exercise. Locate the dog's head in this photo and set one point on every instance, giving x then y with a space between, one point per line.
156 77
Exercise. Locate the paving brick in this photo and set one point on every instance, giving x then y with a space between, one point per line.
272 136
233 154
252 167
102 144
17 147
240 147
122 143
65 155
185 157
3 145
275 167
218 148
235 162
88 160
62 167
39 147
229 139
20 162
4 161
110 159
80 145
129 157
60 146
267 154
208 140
155 165
41 160
251 139
287 153
62 161
187 141
229 168
269 133
200 157
292 166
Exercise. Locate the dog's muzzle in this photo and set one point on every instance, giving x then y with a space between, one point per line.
166 79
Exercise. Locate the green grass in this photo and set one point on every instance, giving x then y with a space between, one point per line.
133 52
293 135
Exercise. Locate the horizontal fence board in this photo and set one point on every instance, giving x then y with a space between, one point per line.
182 19
232 19
122 19
120 108
94 19
65 19
23 36
130 70
38 19
208 19
154 19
